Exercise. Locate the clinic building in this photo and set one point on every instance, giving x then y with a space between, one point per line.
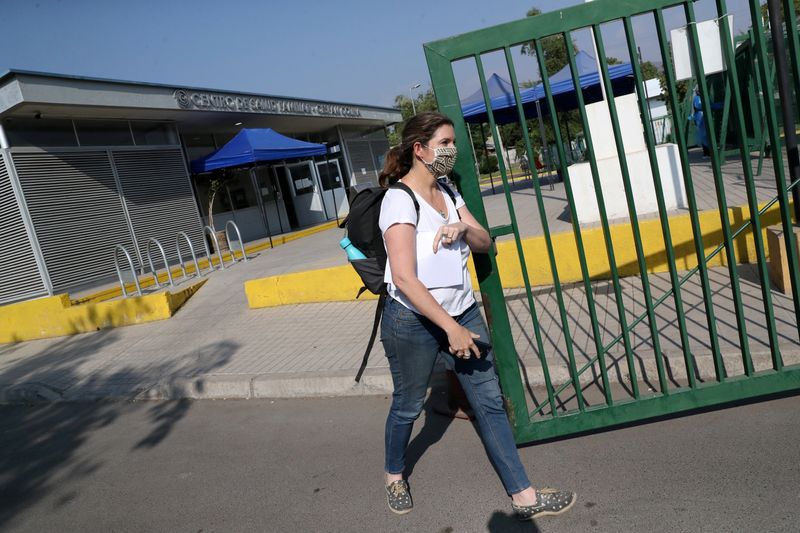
87 164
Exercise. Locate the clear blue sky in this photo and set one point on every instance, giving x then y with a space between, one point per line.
349 51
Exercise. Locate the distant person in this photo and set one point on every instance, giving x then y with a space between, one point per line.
440 316
524 166
700 121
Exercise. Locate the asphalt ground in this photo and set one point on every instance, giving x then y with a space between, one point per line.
315 465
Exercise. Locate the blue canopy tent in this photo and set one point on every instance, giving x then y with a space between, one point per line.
504 107
252 145
498 88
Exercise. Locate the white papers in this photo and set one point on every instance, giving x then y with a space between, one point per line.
441 269
710 44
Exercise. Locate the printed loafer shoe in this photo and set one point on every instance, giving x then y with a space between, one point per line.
398 497
548 502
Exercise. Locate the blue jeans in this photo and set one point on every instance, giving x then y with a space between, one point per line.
412 343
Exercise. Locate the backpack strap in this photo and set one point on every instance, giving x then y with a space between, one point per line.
403 187
383 295
375 323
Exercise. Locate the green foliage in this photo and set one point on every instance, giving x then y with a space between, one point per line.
422 102
650 71
555 51
488 164
765 11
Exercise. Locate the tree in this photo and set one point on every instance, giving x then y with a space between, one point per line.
765 12
553 47
650 71
423 102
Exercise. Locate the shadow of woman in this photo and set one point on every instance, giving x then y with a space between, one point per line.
501 523
432 431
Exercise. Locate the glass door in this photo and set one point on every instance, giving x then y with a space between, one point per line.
334 196
302 184
274 210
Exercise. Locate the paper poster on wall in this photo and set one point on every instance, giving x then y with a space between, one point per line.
708 37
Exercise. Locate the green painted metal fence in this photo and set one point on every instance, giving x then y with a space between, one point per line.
579 404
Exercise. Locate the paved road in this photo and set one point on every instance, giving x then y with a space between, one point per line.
314 465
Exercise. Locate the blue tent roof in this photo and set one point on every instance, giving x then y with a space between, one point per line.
252 145
498 87
583 62
504 106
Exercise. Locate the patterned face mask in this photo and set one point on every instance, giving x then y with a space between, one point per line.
444 159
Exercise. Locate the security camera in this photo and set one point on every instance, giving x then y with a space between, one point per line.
37 115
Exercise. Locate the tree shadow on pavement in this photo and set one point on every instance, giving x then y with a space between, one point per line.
41 436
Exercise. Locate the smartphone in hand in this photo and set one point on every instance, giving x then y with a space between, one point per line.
484 347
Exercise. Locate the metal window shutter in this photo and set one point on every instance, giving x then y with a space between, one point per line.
19 274
361 157
159 199
77 214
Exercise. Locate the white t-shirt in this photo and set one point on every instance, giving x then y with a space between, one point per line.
398 208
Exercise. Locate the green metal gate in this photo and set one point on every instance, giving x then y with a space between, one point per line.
583 402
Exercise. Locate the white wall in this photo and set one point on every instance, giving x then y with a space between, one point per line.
609 171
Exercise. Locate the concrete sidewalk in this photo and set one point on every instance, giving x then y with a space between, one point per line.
216 347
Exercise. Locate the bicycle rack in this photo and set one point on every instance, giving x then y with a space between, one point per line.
208 230
231 242
197 270
152 266
120 271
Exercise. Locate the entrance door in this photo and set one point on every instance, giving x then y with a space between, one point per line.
271 200
301 193
333 193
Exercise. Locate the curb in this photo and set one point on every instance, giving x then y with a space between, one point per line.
376 381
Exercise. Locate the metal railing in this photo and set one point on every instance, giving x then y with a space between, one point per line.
153 270
197 271
208 231
235 243
121 271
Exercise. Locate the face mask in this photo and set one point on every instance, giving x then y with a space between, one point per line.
444 159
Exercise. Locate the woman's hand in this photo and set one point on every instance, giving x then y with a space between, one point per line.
449 234
461 344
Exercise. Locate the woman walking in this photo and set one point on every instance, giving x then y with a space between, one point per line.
431 309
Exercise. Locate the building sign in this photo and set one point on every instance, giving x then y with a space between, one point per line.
206 101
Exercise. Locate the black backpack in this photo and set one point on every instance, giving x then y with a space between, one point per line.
365 234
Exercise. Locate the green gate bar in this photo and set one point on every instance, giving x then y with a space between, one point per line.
775 141
576 229
793 43
634 217
697 233
517 241
747 169
546 230
662 209
601 207
722 202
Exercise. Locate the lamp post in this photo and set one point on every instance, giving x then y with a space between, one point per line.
411 93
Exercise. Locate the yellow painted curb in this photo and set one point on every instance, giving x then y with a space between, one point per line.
342 283
147 282
55 316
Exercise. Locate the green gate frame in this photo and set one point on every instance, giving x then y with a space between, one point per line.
538 425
